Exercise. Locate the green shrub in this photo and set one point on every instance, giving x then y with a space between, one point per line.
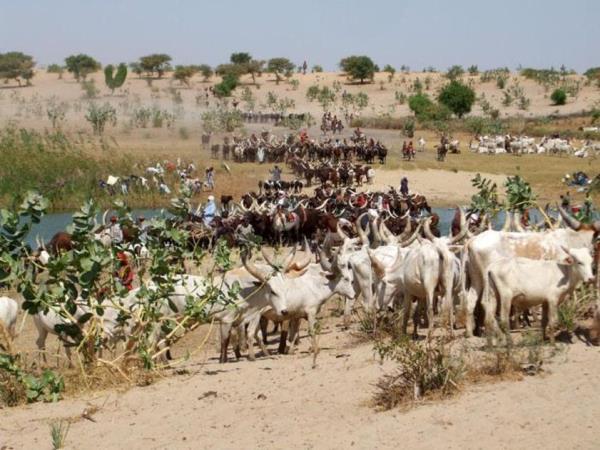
458 97
559 97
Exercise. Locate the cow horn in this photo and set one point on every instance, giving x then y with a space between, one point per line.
375 230
319 208
570 220
517 222
427 230
547 220
324 260
303 264
287 263
407 229
378 267
104 217
267 258
507 221
410 240
463 228
361 233
386 234
251 268
341 232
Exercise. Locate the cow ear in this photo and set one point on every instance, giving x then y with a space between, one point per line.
569 260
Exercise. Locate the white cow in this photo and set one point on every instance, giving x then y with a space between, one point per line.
525 283
9 310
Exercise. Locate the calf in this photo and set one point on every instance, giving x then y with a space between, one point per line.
525 283
9 309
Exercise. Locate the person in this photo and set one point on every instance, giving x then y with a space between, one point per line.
404 186
143 227
115 232
244 230
210 211
304 67
275 173
210 179
124 273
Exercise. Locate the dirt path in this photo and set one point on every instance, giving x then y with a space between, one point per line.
280 402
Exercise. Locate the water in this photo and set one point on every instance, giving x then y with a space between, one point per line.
53 223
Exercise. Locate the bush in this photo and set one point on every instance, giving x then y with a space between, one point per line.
100 116
458 97
358 68
227 86
184 73
473 70
408 127
155 63
559 97
317 69
390 71
116 81
419 103
89 89
455 72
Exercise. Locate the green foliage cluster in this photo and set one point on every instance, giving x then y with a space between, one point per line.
359 68
458 97
559 97
183 74
155 64
101 115
455 72
222 120
323 95
15 382
115 80
280 66
81 65
16 66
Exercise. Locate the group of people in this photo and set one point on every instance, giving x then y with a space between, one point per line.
408 150
331 123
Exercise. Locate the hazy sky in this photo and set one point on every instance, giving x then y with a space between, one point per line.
418 33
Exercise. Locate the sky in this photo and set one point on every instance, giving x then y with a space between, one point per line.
417 33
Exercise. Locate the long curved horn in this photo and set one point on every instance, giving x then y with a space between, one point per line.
547 220
319 208
252 269
104 217
361 233
463 229
386 234
325 260
507 220
407 229
341 232
377 266
298 266
375 230
38 242
267 258
517 222
287 263
427 230
241 206
415 235
570 220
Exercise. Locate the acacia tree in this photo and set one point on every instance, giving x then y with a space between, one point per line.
206 71
184 73
16 66
458 97
280 66
155 63
359 68
81 65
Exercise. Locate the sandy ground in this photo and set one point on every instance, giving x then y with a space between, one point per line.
281 402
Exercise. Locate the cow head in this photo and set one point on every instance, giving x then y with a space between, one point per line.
580 259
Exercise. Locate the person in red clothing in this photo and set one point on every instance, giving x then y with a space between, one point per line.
124 272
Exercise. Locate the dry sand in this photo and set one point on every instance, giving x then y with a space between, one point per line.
281 402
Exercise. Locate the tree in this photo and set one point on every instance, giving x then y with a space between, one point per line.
317 69
16 66
155 63
136 68
390 71
116 81
559 97
458 97
419 103
240 58
279 66
56 68
225 87
184 73
473 70
81 65
206 71
358 68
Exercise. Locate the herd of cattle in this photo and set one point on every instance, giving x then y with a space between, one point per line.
521 145
386 253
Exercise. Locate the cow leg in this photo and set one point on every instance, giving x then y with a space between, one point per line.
405 317
470 301
225 335
41 342
283 337
545 320
312 331
264 323
430 300
348 305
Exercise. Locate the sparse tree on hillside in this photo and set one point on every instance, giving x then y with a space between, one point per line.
117 80
280 66
390 71
317 69
81 65
56 68
473 70
559 97
184 73
455 72
206 71
359 68
458 97
136 68
16 66
156 63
